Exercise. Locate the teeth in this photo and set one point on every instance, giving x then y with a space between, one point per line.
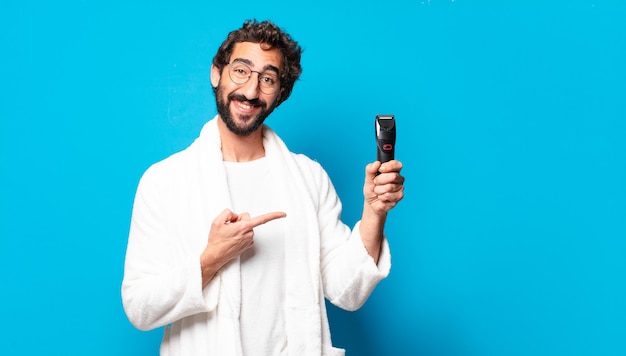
245 106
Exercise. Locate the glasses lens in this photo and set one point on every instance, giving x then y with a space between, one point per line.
239 72
268 82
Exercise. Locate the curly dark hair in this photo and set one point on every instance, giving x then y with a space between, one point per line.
268 33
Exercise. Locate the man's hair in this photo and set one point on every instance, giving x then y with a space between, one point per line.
271 35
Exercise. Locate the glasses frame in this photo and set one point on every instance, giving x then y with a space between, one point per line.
263 89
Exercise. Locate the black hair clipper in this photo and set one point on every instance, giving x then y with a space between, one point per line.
385 137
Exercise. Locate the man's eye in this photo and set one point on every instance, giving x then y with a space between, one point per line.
269 80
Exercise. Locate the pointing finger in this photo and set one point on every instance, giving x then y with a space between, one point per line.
262 219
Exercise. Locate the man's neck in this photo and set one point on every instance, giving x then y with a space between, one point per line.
237 148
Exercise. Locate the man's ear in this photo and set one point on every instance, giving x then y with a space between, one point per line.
215 76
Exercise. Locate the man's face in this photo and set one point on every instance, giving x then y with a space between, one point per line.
244 107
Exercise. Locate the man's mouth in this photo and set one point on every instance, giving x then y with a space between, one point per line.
245 106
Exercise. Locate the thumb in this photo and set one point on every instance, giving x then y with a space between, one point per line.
372 169
226 216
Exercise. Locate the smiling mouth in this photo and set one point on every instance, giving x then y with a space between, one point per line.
245 106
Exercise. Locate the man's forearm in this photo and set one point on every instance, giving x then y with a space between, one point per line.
371 228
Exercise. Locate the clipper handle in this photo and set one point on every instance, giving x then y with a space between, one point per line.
385 127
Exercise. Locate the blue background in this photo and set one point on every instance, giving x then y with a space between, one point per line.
511 239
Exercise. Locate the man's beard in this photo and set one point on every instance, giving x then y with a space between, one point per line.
223 109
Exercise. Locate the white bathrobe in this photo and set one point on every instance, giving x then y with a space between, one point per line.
176 201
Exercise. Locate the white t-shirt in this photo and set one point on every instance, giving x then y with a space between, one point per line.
252 190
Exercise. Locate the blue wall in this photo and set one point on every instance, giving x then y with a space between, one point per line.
511 239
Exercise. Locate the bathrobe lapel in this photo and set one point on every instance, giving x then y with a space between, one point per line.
302 248
228 286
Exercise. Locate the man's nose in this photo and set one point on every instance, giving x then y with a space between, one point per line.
251 88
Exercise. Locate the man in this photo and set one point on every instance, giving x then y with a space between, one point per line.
235 242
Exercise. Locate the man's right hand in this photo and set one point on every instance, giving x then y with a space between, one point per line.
231 234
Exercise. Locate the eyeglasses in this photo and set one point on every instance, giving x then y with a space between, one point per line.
240 73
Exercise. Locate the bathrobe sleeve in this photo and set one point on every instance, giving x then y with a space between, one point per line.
349 273
162 278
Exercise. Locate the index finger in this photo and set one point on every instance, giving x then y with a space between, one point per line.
262 219
391 166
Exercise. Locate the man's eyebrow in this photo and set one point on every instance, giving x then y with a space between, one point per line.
243 60
272 68
249 62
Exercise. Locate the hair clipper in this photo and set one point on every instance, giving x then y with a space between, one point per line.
385 137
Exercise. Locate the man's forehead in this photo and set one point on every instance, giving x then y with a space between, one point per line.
257 54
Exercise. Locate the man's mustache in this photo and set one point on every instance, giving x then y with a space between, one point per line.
242 98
